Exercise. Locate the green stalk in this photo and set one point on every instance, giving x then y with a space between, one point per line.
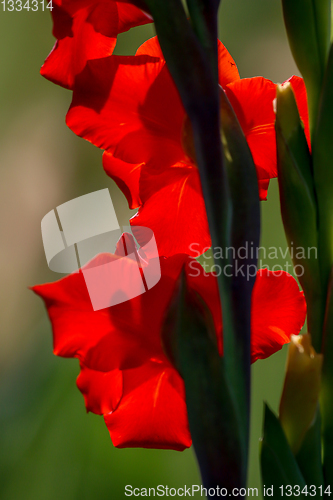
322 154
229 185
189 339
327 389
203 17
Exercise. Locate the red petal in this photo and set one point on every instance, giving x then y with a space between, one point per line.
126 176
252 100
144 404
86 30
102 391
263 185
151 48
133 121
278 311
130 16
112 338
228 71
84 41
152 412
278 308
173 207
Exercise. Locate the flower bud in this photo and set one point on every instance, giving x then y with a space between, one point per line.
300 394
298 202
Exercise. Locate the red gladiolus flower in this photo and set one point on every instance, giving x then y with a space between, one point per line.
130 107
86 30
252 100
125 374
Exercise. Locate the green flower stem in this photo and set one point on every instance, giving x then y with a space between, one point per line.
190 341
322 153
245 230
185 56
203 16
323 179
229 185
327 389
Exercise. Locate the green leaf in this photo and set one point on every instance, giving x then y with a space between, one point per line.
278 464
242 178
308 24
298 205
203 14
184 55
326 402
323 172
245 232
309 456
323 176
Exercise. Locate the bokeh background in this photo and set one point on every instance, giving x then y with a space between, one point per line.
50 448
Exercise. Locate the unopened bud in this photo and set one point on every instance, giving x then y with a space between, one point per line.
300 394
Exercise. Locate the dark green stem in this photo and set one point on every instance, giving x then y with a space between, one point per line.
203 17
191 55
327 388
189 339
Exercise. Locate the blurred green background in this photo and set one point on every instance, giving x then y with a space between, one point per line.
50 449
